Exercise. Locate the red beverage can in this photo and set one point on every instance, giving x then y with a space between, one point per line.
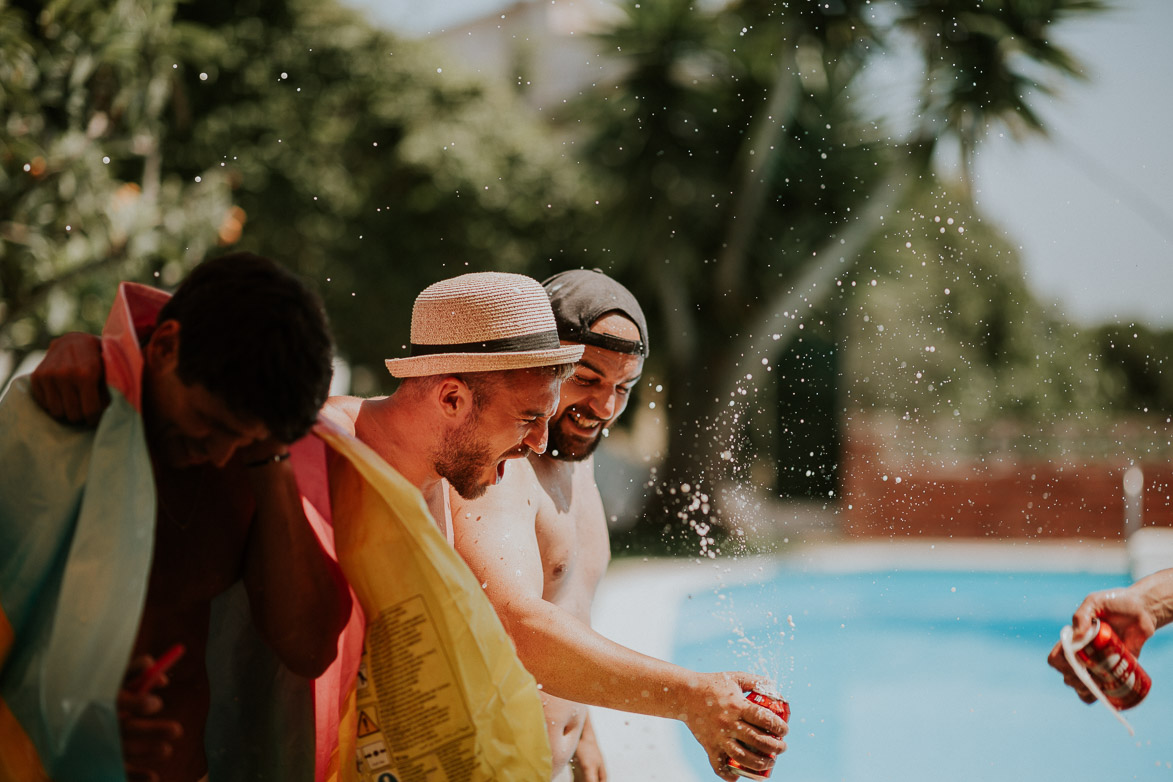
767 697
1112 667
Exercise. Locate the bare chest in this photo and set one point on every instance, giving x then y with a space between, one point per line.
200 536
575 548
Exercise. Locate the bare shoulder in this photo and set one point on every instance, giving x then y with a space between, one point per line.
342 410
566 485
495 534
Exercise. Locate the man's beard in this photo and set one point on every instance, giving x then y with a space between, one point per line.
570 448
463 459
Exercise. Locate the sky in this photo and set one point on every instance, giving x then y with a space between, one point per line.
1090 207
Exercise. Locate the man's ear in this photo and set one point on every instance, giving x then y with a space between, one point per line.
162 349
454 398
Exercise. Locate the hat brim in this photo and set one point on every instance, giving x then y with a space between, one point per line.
449 363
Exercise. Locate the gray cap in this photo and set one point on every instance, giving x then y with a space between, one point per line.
579 297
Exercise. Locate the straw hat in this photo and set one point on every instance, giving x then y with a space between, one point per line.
482 322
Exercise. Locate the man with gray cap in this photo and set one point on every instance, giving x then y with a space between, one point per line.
539 545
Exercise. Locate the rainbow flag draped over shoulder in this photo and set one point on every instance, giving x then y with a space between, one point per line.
439 695
77 524
77 520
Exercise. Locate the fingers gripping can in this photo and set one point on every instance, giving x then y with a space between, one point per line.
1114 668
768 698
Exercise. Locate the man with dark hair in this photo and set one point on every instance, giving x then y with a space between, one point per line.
281 386
539 545
125 541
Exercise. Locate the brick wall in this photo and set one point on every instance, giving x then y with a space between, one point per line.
885 496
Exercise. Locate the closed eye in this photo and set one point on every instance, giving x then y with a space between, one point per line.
534 416
219 426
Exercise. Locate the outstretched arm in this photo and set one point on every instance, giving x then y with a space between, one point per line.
297 594
495 535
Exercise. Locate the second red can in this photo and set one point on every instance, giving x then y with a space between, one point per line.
1114 668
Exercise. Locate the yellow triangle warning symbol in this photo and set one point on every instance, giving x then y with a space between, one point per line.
366 725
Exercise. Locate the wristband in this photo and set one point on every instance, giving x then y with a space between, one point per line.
277 457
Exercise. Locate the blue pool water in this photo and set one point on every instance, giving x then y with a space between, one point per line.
919 676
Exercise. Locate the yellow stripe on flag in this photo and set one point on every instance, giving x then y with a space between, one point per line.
451 691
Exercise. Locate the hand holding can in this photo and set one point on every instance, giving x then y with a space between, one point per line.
766 697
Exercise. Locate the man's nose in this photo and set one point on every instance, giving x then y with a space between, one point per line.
536 438
603 405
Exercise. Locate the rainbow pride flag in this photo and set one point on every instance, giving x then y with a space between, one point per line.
77 524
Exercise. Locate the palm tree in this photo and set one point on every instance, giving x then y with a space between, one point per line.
751 176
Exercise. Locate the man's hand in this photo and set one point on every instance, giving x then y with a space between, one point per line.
1128 614
146 738
587 762
69 383
729 725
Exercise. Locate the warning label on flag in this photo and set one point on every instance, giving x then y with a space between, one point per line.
366 725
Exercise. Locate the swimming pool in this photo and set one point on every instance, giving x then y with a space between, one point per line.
915 674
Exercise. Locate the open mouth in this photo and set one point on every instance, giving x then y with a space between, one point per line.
500 471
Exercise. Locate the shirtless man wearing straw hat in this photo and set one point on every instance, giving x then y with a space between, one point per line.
538 543
478 389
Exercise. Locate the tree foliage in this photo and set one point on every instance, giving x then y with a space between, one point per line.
84 196
366 167
749 177
290 128
940 323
